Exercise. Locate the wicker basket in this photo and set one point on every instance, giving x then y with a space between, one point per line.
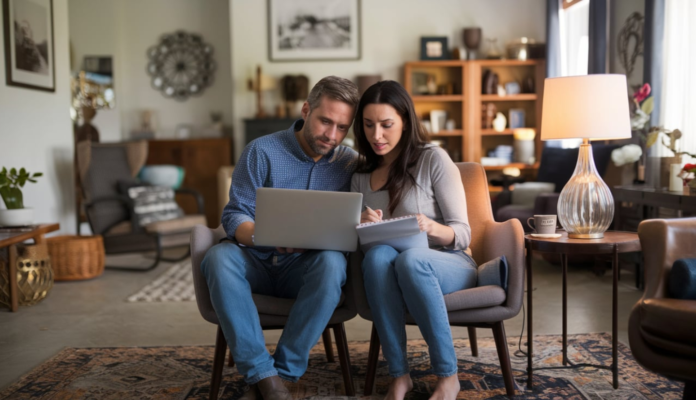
76 257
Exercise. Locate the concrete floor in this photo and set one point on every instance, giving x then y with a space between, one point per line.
94 314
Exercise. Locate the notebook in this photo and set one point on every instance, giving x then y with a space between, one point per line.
401 233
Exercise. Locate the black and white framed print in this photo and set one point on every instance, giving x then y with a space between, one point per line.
319 30
29 60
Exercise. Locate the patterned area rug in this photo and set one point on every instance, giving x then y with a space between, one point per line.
176 284
184 373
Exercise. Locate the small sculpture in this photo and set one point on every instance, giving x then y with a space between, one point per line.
500 122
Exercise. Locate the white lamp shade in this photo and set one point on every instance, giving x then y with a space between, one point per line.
587 106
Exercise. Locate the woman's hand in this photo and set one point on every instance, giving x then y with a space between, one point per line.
426 224
370 215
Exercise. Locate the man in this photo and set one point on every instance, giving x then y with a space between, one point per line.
306 156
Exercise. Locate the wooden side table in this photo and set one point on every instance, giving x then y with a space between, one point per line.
10 238
613 243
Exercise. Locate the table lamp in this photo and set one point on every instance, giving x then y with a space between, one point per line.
588 107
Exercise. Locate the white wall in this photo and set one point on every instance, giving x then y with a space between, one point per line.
36 133
391 31
125 29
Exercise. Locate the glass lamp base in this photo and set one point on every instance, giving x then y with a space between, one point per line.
586 205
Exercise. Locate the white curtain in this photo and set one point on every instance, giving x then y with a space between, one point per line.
678 109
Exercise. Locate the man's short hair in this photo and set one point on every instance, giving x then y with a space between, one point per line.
334 88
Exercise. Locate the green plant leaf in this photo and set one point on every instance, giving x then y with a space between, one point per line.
13 171
22 171
21 181
648 105
31 180
3 180
652 138
12 197
37 174
4 171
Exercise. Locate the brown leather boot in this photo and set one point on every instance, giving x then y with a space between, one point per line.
252 394
272 388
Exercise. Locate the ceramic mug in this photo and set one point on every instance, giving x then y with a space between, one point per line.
543 224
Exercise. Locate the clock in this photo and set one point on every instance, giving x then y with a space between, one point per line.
181 65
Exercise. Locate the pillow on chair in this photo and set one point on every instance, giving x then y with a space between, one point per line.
682 279
151 203
494 272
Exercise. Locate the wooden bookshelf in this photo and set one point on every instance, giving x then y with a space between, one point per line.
468 141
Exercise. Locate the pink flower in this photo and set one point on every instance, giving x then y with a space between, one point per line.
642 93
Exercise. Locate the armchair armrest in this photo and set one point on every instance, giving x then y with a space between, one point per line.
196 195
507 239
663 242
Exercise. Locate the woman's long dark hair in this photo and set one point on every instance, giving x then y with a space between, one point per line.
412 140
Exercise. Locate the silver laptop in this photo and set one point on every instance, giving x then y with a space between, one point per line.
307 219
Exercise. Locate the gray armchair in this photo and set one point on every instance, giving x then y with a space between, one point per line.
273 312
102 168
479 307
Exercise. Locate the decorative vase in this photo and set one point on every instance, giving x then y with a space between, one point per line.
34 275
17 217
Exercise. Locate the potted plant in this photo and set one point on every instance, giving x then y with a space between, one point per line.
11 183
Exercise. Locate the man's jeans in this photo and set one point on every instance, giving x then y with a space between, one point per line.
415 281
313 278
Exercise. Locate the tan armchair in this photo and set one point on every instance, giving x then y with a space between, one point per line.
479 307
662 331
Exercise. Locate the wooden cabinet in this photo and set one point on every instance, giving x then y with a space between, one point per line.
201 159
460 85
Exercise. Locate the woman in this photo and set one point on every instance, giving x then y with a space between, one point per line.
401 174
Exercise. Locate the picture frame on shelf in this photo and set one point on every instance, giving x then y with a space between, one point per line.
29 50
313 30
434 48
516 118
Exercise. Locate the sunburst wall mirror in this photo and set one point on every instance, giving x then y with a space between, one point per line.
181 65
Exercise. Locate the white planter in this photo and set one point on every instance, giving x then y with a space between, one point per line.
18 217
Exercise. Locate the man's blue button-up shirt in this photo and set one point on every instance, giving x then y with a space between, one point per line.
278 161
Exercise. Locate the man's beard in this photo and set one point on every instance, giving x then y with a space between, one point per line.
312 142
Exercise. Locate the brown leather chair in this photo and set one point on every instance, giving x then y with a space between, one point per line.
479 307
662 331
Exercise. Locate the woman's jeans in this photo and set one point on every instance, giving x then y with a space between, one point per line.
415 281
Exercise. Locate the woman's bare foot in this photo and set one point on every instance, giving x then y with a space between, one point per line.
447 388
399 387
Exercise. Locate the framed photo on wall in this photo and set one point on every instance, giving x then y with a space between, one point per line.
29 53
313 30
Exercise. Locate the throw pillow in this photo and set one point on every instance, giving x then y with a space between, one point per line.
153 203
494 272
682 279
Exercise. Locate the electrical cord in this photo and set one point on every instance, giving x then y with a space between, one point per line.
519 353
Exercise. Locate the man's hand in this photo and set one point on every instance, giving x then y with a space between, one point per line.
244 232
289 250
